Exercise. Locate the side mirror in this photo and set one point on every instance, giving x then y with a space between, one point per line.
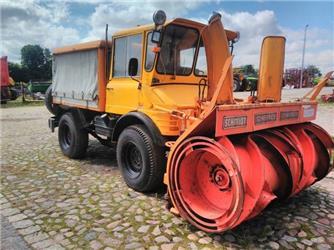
133 67
156 36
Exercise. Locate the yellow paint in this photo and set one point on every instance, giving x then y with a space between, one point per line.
271 69
171 93
172 101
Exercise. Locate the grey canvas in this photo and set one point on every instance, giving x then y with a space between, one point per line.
75 76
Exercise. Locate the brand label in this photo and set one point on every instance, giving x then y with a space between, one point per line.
234 121
265 117
287 115
308 111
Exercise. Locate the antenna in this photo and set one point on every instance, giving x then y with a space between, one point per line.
107 55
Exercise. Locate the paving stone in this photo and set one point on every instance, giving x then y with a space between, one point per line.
192 237
143 229
113 224
302 234
9 211
205 240
29 230
17 217
273 245
90 236
318 240
167 246
95 245
177 239
324 247
133 245
22 224
161 239
80 204
156 231
55 247
289 238
41 245
35 237
307 242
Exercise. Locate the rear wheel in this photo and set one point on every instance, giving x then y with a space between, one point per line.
142 162
53 108
73 139
236 85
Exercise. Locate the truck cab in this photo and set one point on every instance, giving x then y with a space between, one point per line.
170 74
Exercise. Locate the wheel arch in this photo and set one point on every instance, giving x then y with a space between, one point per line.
136 117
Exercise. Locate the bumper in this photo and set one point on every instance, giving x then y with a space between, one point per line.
53 123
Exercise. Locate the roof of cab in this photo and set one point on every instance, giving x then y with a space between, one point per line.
231 35
101 43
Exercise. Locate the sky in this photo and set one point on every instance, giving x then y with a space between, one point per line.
53 24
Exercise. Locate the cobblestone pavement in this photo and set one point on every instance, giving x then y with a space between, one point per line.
57 203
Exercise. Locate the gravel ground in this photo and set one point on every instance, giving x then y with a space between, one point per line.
51 202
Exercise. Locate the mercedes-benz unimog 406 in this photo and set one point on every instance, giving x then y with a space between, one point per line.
162 95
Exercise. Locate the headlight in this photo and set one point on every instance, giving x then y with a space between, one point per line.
159 17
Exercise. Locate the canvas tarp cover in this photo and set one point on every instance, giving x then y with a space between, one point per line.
75 75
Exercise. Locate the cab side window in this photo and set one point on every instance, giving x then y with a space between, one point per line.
150 55
126 48
201 68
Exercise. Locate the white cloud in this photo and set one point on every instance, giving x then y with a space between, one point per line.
121 15
254 27
51 24
30 22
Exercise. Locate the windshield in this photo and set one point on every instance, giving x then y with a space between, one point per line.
178 49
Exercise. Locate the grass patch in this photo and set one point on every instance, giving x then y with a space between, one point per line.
19 103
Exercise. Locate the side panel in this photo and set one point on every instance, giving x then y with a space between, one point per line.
79 79
122 96
243 120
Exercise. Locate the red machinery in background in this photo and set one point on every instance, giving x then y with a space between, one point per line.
7 93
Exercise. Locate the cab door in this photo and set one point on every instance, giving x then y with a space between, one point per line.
122 91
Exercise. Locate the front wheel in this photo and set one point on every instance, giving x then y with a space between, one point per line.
142 162
73 139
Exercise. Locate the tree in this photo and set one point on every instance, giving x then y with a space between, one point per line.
313 71
47 67
18 73
38 62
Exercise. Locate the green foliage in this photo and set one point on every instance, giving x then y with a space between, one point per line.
18 73
37 61
313 71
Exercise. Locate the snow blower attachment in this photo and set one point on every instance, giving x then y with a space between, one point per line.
239 155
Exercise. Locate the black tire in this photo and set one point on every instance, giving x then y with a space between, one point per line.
73 139
236 85
142 162
13 94
53 108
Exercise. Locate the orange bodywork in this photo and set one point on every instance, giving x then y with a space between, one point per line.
217 52
239 155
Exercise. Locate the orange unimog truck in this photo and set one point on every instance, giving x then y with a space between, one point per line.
162 95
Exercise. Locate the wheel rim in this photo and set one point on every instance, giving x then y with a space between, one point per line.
132 159
66 136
